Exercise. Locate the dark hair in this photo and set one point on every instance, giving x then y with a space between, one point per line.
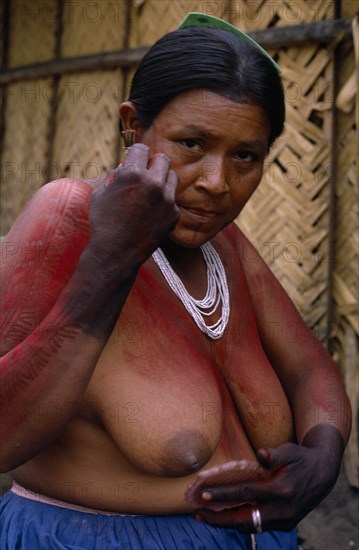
212 59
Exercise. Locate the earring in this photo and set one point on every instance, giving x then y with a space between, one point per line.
129 139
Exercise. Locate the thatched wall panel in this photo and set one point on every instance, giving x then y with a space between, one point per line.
2 32
86 137
252 15
345 345
150 19
298 174
347 236
92 27
32 31
25 146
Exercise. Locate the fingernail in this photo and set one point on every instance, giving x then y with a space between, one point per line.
206 495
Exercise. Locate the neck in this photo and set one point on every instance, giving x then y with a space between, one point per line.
189 265
207 301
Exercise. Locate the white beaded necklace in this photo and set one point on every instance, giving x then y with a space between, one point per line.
217 290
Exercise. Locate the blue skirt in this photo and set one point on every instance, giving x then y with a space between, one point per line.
27 524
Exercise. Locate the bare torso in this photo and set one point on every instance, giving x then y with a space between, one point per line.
164 402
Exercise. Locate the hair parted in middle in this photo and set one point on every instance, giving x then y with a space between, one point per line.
208 59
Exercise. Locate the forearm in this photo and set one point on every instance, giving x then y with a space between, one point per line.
318 398
50 370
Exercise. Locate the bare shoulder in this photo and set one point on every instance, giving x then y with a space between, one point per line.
252 261
57 198
255 268
270 300
64 190
59 204
40 253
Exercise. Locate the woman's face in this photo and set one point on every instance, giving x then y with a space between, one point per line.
217 148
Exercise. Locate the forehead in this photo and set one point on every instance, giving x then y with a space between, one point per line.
208 113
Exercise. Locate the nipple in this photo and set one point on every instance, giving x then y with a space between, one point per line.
185 453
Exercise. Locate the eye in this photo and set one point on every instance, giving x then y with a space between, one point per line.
192 144
246 156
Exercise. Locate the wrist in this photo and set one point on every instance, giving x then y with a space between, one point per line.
96 293
114 267
324 435
329 442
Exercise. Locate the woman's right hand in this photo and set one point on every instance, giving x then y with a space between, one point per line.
134 209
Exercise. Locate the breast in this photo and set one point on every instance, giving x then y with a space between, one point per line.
255 388
156 386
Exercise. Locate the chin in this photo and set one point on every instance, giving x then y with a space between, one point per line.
189 240
189 237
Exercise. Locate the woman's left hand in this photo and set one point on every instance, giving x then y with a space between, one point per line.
300 476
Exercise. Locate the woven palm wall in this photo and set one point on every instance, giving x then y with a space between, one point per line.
345 261
303 218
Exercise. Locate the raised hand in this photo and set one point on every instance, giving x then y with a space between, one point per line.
134 209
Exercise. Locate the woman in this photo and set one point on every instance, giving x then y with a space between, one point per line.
136 415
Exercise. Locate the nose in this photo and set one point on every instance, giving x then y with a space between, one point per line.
213 177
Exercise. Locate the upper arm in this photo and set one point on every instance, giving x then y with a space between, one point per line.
309 376
39 255
290 345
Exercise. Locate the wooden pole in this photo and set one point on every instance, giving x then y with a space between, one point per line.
295 35
332 198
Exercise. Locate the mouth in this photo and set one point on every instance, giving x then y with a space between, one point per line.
200 214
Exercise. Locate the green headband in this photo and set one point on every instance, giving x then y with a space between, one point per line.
202 20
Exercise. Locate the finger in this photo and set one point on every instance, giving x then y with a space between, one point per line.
264 457
159 165
244 492
236 519
171 187
230 475
271 517
137 157
280 456
266 490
